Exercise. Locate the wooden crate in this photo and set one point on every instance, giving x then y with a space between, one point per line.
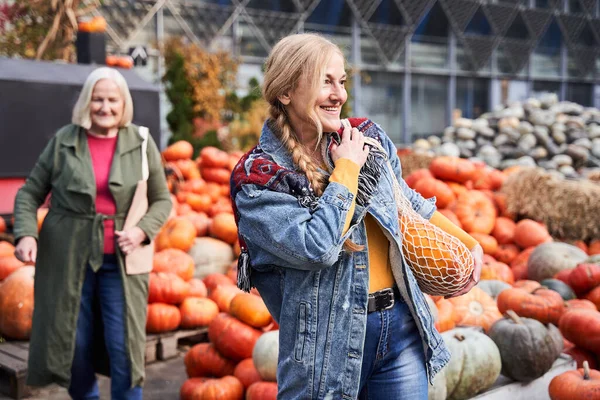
163 346
13 369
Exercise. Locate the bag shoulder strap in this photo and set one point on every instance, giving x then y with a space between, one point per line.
143 131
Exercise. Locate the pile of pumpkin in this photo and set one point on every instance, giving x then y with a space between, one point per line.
240 359
530 282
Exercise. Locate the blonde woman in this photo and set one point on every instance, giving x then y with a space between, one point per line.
88 311
317 224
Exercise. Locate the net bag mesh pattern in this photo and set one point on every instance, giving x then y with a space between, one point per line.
440 262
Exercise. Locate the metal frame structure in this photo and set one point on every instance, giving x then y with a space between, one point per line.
203 22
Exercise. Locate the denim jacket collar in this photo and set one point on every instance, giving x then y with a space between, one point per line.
271 144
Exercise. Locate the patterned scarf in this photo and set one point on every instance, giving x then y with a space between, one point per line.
258 168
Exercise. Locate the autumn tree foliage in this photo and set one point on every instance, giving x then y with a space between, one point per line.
41 29
197 82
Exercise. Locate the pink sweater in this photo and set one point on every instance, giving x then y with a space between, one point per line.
102 151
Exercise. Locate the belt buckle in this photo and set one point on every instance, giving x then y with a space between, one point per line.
384 296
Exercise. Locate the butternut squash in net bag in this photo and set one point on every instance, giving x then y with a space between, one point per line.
440 262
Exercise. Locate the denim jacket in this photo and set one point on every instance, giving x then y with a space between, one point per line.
314 289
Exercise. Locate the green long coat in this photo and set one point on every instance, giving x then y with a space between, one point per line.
72 237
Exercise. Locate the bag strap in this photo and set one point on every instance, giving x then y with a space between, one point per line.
143 131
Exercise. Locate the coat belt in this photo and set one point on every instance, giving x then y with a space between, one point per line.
97 234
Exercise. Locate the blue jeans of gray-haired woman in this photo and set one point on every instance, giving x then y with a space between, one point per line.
393 364
107 285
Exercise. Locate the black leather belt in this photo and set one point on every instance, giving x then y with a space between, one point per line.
383 299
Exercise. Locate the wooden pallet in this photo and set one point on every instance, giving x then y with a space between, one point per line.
14 354
13 369
162 346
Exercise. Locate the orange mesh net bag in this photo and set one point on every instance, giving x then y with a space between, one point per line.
440 262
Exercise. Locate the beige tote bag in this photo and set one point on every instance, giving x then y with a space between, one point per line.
139 261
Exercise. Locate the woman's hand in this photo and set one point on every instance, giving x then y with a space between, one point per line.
477 253
26 250
130 239
352 147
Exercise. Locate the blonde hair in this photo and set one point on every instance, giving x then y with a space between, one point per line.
295 57
81 111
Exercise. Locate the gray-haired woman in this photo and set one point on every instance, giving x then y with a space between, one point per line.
86 306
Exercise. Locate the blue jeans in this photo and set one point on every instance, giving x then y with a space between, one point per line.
393 365
107 286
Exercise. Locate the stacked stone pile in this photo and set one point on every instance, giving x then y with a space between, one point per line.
561 137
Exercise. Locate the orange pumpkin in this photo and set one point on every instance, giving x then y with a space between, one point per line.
247 373
582 278
519 264
6 249
594 296
197 312
167 287
186 392
8 265
529 233
582 327
199 202
581 384
178 233
203 359
580 303
218 175
213 280
430 187
232 338
250 309
488 243
162 318
175 261
452 168
223 295
197 288
197 185
262 391
188 169
506 253
476 308
125 62
227 387
16 304
223 227
476 212
213 157
432 259
527 285
542 304
504 230
495 270
200 220
415 176
180 150
222 205
445 320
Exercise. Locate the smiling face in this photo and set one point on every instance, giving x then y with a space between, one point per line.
326 102
106 107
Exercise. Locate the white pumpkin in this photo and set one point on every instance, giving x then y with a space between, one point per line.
475 363
211 256
265 354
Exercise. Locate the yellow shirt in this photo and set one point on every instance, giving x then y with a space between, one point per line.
380 271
